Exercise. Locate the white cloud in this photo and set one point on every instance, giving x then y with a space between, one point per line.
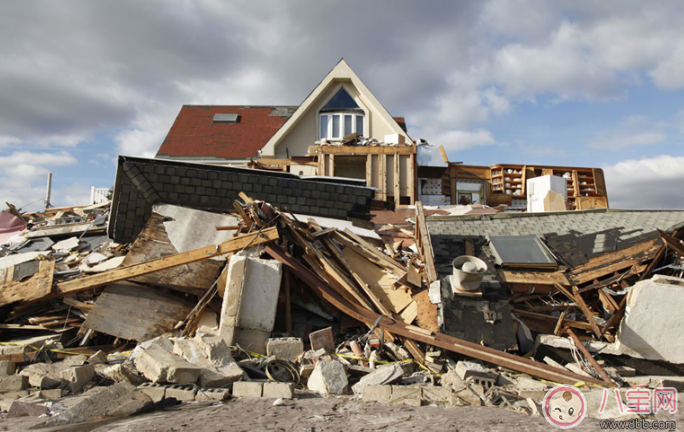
649 183
668 74
23 177
618 141
463 140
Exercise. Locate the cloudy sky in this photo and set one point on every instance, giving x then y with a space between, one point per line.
558 83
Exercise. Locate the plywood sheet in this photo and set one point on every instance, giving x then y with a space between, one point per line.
15 288
134 312
380 282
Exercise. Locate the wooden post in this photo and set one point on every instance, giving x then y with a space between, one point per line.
383 177
369 170
397 179
321 163
412 175
332 165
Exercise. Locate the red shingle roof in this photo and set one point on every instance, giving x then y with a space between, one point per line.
195 135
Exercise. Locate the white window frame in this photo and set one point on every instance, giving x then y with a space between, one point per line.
340 114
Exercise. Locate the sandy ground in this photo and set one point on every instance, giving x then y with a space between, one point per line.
318 414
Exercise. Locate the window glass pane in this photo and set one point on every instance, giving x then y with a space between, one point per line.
347 124
324 127
359 125
336 126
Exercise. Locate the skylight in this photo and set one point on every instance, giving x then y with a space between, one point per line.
226 118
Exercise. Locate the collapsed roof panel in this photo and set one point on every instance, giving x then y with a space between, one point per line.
141 183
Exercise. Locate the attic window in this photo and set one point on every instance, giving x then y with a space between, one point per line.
341 116
226 118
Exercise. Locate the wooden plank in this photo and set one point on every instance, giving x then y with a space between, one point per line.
423 241
469 246
321 164
413 277
153 243
530 277
395 267
380 283
397 179
125 273
364 150
673 243
587 354
587 312
609 263
36 287
134 312
331 163
552 320
409 314
444 155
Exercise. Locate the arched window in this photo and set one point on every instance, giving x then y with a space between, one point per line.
340 116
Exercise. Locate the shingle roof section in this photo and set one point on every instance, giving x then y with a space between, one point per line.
194 134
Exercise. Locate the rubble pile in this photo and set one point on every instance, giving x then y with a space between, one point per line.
261 302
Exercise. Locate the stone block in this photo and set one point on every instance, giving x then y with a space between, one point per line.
435 394
13 383
78 376
217 371
98 357
382 376
476 373
377 393
75 360
252 339
405 395
322 339
217 394
278 390
14 395
248 389
26 409
183 393
531 388
285 348
43 375
153 391
162 366
7 368
51 394
328 377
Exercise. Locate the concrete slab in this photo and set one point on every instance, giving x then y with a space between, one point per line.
248 388
161 366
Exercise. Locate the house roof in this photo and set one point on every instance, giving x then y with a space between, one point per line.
195 135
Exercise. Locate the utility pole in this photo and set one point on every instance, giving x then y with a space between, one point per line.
48 192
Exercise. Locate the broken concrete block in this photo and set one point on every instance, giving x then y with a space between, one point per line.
467 396
7 368
162 366
100 402
217 373
477 373
252 339
50 394
651 327
382 376
328 377
25 409
376 393
183 393
43 375
612 411
155 392
322 339
13 383
531 388
435 394
216 351
75 360
97 358
217 394
78 376
405 395
18 394
399 352
248 388
452 381
285 348
66 245
123 372
278 390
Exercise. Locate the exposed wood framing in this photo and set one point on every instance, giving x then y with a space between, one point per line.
413 179
332 165
369 170
424 245
397 179
361 150
382 178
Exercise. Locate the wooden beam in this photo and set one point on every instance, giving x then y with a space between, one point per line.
120 274
444 155
587 312
424 244
589 357
321 164
369 170
332 164
395 267
397 179
364 150
552 320
382 179
672 243
412 176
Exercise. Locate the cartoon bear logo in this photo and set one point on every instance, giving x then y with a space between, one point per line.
564 407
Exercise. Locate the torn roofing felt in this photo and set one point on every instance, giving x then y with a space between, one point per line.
141 182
